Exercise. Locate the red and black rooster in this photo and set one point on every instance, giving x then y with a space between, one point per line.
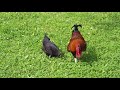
77 43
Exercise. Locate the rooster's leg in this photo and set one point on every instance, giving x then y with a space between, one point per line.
75 60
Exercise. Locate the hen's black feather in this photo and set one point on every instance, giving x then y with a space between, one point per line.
50 48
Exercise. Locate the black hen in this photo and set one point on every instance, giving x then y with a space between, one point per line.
50 48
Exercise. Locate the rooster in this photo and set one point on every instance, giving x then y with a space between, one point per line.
50 48
77 43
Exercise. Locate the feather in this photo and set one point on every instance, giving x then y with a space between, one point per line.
49 48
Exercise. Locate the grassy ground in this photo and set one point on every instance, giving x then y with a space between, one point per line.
21 37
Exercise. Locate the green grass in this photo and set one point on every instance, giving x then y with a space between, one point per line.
21 37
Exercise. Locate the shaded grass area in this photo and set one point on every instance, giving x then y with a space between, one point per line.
21 37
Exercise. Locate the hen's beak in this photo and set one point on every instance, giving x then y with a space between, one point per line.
75 60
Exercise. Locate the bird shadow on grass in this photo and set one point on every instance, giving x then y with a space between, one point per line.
89 55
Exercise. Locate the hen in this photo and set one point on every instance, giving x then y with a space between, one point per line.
50 48
77 43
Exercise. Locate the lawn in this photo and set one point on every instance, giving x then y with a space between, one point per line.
21 35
